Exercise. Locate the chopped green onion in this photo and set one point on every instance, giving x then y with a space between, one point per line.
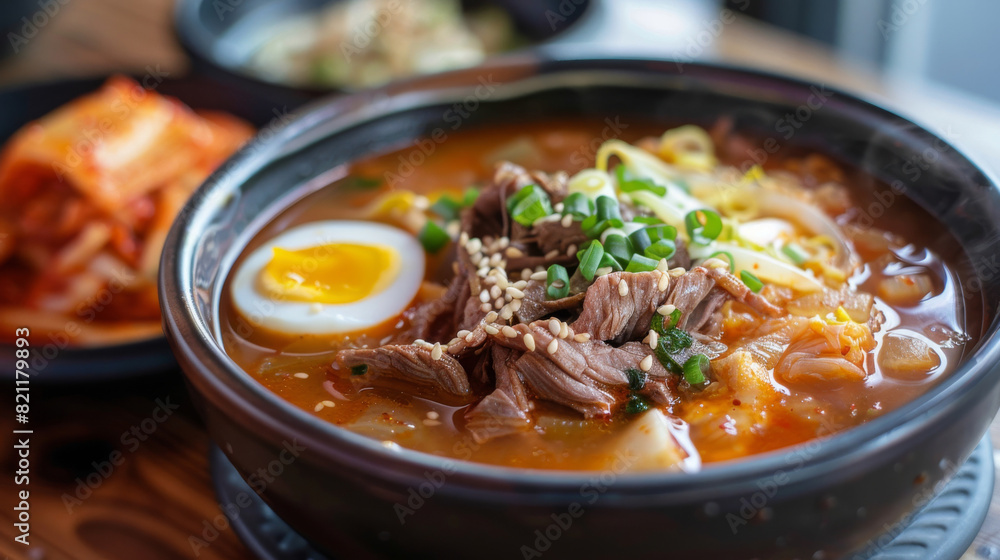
729 259
529 204
627 183
607 261
433 237
636 378
590 261
657 233
695 369
640 240
675 340
751 281
661 325
703 226
618 247
579 205
666 359
662 249
607 209
447 207
636 404
639 263
359 369
648 220
470 196
797 254
557 282
593 227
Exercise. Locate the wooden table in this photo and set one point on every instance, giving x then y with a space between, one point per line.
159 494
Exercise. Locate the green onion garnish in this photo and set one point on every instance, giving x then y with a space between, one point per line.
675 340
648 220
618 247
470 196
662 324
751 281
662 249
557 282
529 204
729 259
433 237
797 254
639 263
636 404
579 205
703 226
590 261
657 233
593 227
636 378
695 369
359 369
628 183
607 261
447 207
640 240
607 209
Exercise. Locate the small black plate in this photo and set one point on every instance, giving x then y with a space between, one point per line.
50 362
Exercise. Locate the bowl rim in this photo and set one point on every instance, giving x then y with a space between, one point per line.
209 369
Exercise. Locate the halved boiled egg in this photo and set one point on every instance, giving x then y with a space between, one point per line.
329 277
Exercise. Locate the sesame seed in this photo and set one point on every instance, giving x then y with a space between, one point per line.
419 342
484 296
504 242
463 333
433 415
453 228
554 327
494 293
514 252
502 284
675 272
301 375
521 284
551 254
490 280
506 313
663 283
436 352
527 273
553 346
571 250
483 271
473 246
469 338
509 332
514 292
453 342
622 288
431 422
495 259
654 339
499 303
603 271
491 329
582 337
646 363
715 263
483 261
665 309
662 266
537 275
567 220
529 342
421 202
463 239
563 330
559 207
318 407
485 307
316 308
329 404
515 305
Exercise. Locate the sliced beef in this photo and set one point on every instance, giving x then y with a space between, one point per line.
437 320
706 317
741 292
536 303
580 375
687 292
410 363
608 315
551 235
507 409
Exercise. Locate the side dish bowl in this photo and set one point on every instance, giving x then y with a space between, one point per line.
354 497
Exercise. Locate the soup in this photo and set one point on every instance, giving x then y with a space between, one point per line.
545 296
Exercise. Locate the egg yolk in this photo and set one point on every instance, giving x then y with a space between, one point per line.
335 274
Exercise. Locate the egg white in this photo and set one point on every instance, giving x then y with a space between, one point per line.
302 317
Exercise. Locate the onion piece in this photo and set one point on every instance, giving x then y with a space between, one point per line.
764 266
809 218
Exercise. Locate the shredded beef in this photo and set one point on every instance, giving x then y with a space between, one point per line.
408 363
507 409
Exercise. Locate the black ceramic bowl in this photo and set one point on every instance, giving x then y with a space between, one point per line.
349 494
51 360
222 37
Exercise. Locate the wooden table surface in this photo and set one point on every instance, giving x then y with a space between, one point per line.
159 494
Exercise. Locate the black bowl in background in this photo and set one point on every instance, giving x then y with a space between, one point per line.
52 361
221 37
348 493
